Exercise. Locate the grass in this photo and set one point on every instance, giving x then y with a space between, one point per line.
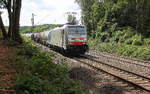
39 75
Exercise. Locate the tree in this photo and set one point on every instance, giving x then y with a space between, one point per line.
86 13
2 28
143 16
72 19
103 15
13 8
1 4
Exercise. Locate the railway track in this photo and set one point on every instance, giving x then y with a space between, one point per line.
137 80
120 58
137 66
127 76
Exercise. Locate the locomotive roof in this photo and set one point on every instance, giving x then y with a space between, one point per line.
72 25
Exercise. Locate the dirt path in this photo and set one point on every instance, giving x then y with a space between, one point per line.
7 72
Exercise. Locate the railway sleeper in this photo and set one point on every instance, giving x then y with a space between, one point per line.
127 76
135 80
145 85
132 77
143 82
129 87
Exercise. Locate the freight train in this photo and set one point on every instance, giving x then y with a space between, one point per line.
69 38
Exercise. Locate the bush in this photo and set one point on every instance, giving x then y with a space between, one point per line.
137 40
107 47
147 41
27 49
39 75
140 52
104 37
132 51
121 35
126 50
93 43
129 41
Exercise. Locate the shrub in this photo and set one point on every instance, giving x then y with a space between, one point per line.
142 53
107 47
126 50
137 40
147 41
104 37
132 51
93 43
39 75
129 41
122 34
27 49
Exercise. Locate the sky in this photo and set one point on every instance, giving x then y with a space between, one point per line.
45 11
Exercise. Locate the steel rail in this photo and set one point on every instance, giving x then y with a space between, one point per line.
123 59
130 77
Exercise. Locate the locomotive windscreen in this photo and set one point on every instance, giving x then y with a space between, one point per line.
76 30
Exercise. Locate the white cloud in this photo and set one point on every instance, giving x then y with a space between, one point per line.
46 11
60 4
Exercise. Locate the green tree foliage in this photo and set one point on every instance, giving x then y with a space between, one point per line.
37 74
72 19
112 15
86 12
1 4
2 28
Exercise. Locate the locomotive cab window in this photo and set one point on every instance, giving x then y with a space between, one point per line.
76 30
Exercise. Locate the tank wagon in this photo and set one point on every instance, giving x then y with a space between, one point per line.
70 38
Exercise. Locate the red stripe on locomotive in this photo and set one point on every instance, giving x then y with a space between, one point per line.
77 43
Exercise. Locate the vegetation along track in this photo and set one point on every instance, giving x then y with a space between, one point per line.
130 77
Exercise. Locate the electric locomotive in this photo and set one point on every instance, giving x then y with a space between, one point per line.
71 38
